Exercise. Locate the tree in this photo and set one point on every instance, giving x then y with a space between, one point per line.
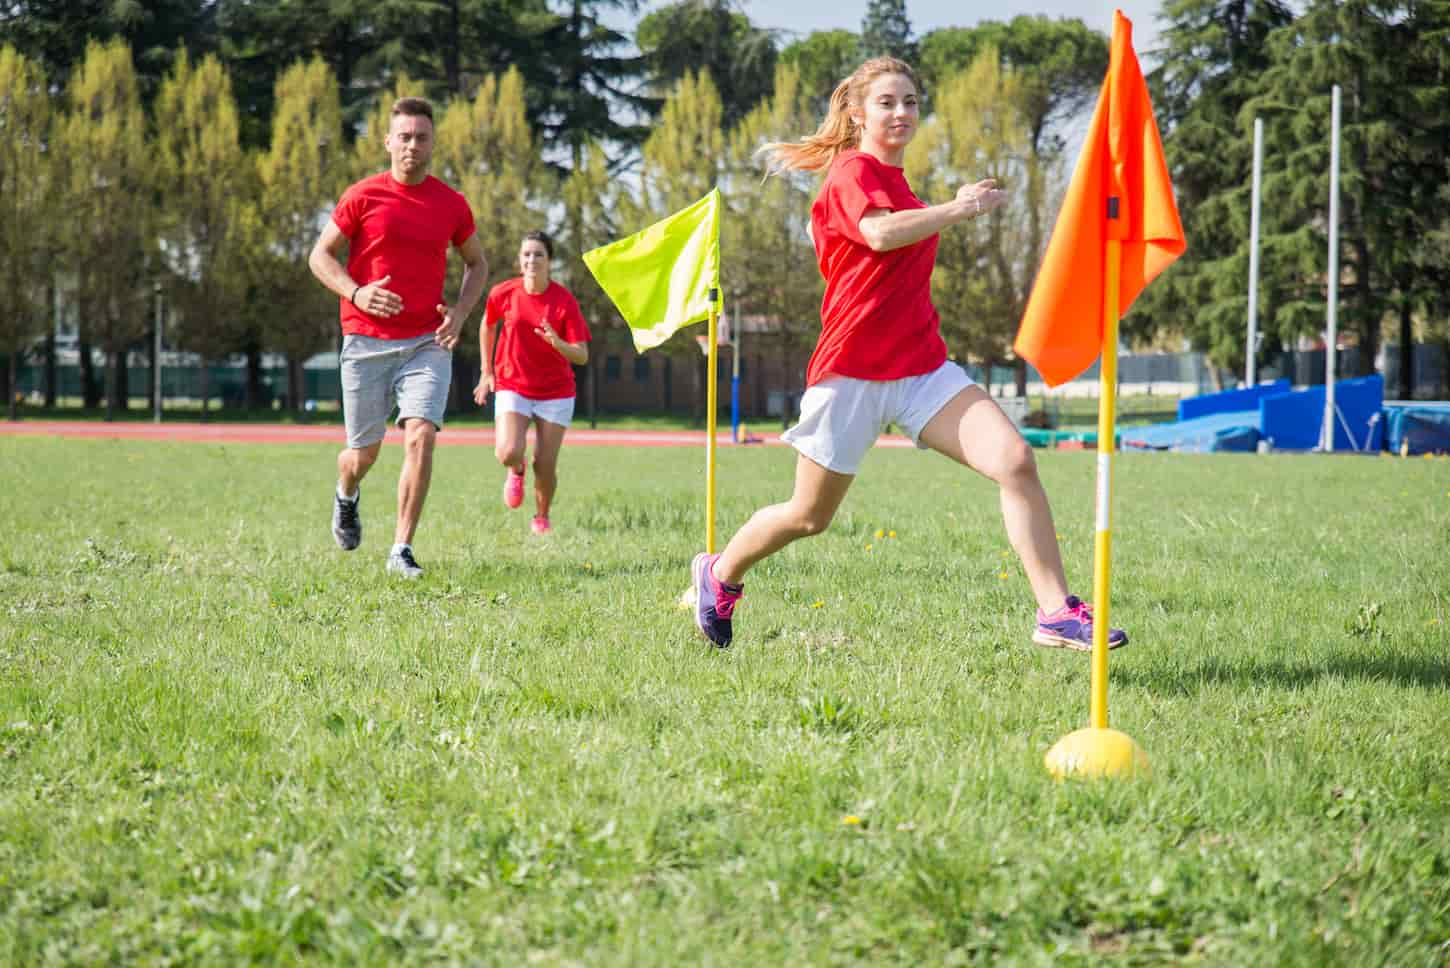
681 163
885 29
486 150
769 264
56 33
1209 68
301 177
25 167
591 192
708 36
205 183
823 59
978 131
109 240
593 80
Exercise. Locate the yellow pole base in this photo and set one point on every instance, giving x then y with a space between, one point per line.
1096 753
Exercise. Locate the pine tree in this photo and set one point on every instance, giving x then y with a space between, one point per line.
823 59
301 177
205 182
769 264
25 175
886 30
707 36
109 241
977 131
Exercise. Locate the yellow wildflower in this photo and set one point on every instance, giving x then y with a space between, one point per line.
851 820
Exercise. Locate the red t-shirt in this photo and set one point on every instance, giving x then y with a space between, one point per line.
877 319
401 231
523 362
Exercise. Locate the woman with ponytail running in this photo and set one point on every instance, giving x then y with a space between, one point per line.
881 358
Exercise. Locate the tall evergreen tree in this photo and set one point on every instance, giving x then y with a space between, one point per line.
25 199
1209 68
885 29
822 59
709 36
768 261
109 241
205 182
301 175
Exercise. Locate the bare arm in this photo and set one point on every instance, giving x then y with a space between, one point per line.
576 353
885 230
372 298
486 336
475 277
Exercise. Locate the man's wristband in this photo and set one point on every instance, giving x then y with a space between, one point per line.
353 298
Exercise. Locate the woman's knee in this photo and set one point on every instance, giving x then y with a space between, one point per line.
509 455
1016 462
811 521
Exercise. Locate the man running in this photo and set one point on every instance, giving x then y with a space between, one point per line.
398 333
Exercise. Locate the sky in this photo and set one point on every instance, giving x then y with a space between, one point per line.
801 17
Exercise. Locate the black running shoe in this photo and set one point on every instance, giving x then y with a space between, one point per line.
346 526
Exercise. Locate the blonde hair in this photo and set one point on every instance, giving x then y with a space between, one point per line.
837 132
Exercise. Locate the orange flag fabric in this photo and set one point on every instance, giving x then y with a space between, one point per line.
1119 190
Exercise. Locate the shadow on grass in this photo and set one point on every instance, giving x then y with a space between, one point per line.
1415 671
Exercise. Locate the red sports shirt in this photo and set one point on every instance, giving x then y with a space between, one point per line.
877 319
401 231
523 362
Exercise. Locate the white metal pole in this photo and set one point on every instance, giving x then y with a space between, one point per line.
156 361
1251 349
1332 321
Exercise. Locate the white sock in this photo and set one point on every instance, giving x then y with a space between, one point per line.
397 548
344 496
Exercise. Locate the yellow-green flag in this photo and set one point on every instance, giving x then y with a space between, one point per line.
660 279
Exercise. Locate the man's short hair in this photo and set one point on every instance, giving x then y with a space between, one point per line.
412 107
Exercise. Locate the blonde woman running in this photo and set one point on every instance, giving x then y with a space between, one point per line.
881 358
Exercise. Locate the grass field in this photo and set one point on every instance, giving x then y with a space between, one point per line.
224 741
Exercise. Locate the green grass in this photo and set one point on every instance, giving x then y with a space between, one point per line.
224 741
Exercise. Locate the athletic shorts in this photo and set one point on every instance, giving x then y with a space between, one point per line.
379 374
558 411
841 417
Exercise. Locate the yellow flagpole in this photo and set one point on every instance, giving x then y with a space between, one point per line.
1103 539
711 392
1098 751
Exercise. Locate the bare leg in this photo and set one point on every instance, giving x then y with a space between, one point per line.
818 493
548 438
353 465
510 434
419 436
974 431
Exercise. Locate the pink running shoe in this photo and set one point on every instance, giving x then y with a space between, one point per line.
715 601
1071 627
513 489
540 524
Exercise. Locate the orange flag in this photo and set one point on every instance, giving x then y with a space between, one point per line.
1121 190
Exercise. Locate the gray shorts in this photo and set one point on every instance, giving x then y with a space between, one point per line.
841 417
413 374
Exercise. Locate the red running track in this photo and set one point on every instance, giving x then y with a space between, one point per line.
221 433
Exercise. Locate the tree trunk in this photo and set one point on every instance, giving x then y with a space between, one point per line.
987 377
90 386
785 382
699 407
205 390
50 369
153 388
669 384
1020 365
1407 352
296 385
592 388
253 395
121 385
111 386
12 374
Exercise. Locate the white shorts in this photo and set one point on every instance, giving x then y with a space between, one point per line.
841 417
559 411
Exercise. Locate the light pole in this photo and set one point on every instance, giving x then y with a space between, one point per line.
1251 349
1327 434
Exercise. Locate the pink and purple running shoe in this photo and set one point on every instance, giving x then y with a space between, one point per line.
715 601
1071 627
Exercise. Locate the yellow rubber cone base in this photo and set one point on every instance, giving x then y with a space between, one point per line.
1096 753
